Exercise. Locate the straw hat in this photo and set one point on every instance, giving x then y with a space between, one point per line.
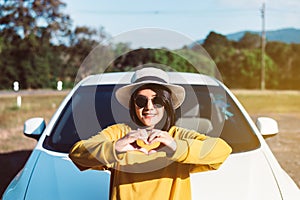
150 75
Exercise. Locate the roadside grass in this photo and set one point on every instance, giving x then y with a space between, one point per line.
12 118
260 102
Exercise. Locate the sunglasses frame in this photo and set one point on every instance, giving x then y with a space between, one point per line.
141 105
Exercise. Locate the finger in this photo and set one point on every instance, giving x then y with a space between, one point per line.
154 134
142 134
134 134
121 146
159 134
167 141
130 138
159 139
143 150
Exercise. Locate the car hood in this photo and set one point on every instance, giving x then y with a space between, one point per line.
242 176
56 177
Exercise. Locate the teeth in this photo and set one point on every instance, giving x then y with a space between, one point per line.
149 114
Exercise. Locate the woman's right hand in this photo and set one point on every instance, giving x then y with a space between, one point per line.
126 143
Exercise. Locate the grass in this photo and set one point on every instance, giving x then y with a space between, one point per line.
269 102
12 118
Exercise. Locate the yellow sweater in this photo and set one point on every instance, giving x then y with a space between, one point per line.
136 175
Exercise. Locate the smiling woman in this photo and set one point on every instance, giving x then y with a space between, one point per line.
156 158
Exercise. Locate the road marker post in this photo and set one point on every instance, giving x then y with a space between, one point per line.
16 87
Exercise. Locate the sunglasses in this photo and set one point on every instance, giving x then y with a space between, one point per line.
142 101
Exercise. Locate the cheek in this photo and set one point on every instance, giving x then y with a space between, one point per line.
138 112
161 113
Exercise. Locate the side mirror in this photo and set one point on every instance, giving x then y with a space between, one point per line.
34 127
267 126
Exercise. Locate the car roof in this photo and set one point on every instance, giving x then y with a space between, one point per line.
125 77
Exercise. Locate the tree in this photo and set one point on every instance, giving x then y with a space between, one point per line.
217 45
29 29
27 17
249 41
216 39
286 57
282 55
83 40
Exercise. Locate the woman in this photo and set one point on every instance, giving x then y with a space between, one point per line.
155 160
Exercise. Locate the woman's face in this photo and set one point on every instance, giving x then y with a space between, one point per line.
148 107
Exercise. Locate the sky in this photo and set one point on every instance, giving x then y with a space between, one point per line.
193 18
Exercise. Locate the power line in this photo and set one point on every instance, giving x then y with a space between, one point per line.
163 12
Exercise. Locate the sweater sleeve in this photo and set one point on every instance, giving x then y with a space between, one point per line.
98 151
198 149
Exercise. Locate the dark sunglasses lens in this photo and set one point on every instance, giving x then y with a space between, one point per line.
157 102
141 101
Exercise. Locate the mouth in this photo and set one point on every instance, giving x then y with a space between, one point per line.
148 115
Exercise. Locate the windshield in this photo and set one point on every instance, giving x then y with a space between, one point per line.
212 112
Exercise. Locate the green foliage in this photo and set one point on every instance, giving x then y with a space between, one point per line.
34 52
198 61
240 62
173 59
242 68
182 60
249 41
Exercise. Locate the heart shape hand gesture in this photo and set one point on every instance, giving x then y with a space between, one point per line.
147 141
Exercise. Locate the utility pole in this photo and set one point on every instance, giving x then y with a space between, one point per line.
263 46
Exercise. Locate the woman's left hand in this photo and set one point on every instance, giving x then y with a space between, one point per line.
164 138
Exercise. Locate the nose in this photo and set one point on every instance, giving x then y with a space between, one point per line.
150 105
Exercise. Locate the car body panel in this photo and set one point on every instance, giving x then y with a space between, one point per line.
59 183
240 177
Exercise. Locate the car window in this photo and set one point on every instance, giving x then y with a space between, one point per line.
208 110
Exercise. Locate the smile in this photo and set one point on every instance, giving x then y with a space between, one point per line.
149 114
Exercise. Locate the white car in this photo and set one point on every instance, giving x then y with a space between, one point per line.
250 172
